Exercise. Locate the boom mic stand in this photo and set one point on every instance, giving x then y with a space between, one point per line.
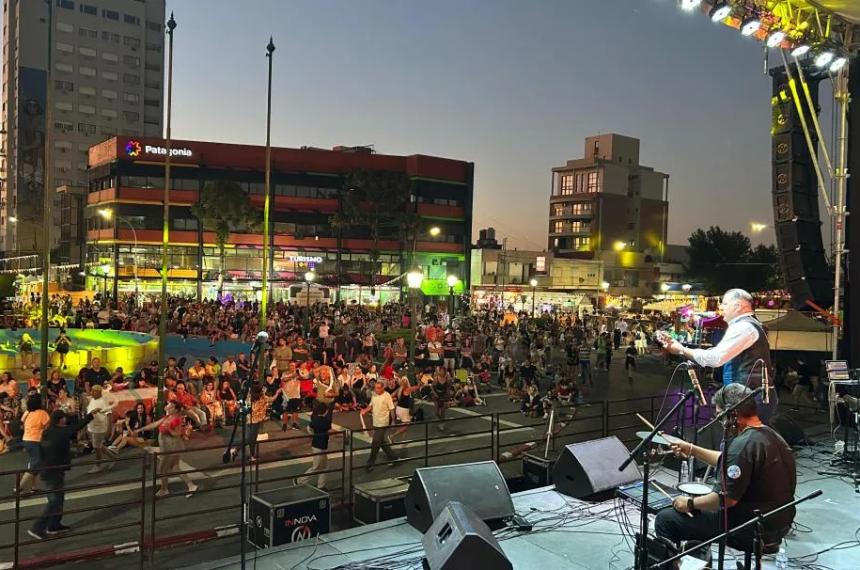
727 426
242 411
644 447
756 520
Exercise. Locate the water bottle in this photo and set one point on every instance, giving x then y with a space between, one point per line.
685 472
781 559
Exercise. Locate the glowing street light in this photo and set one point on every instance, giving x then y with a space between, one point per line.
414 279
604 285
690 5
619 245
534 283
757 227
106 213
13 219
435 231
309 278
452 282
664 287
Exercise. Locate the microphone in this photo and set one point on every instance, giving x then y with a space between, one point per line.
691 372
765 384
261 339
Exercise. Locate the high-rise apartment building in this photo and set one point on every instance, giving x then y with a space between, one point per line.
106 79
606 206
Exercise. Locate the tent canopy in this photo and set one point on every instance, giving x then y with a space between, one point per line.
796 321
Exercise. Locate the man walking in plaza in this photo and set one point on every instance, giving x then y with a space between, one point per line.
381 407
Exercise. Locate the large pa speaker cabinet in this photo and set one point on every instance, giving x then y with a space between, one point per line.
480 486
795 195
459 540
591 468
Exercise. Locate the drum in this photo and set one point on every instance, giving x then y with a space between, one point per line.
695 489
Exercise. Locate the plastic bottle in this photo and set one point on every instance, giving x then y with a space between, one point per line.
685 472
781 559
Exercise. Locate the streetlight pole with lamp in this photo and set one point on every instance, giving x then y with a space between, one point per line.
107 214
414 279
452 282
309 278
533 282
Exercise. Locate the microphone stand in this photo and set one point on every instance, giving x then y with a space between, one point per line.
724 467
644 447
757 520
242 411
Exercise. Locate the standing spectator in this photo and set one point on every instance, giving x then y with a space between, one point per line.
35 421
171 431
99 426
25 349
283 354
630 360
320 426
95 375
291 398
449 352
443 391
61 347
56 457
585 363
258 415
381 405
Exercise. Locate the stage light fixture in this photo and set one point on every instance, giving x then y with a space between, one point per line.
750 26
690 5
824 58
720 12
800 50
838 64
775 38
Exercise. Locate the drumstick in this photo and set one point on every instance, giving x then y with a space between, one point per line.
646 422
667 495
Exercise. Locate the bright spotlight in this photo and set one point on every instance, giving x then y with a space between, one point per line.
824 58
775 39
690 5
720 13
838 64
750 26
664 287
800 50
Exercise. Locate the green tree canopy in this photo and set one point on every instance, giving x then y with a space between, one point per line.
723 260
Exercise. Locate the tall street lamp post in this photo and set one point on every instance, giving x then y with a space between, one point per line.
309 278
267 249
107 214
533 282
165 231
414 279
452 282
47 205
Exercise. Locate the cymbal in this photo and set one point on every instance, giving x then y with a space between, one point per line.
659 438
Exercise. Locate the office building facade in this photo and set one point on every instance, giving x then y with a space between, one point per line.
106 79
307 189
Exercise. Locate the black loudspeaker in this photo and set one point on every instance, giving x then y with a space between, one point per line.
591 468
795 195
480 486
790 430
459 540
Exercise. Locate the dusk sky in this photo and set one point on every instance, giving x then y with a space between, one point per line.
513 86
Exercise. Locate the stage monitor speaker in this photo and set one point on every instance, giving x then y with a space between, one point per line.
480 486
791 431
591 468
459 540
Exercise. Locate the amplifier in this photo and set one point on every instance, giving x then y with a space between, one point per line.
537 469
291 514
379 501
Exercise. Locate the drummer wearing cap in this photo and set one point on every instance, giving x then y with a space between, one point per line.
760 476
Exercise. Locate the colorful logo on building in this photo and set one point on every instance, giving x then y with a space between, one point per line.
133 148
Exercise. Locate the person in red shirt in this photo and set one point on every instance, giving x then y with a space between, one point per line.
189 403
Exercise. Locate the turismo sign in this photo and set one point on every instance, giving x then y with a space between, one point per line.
136 149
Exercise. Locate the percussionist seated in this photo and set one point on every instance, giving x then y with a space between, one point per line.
760 475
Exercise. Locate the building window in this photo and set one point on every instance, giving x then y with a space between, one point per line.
87 90
592 182
131 116
152 102
131 98
65 48
64 27
557 210
152 67
86 128
566 184
108 93
131 42
110 75
87 52
131 79
87 109
63 106
580 208
88 33
154 47
88 9
129 19
154 26
64 67
557 227
109 113
110 57
88 71
582 243
66 4
131 60
64 86
110 14
153 85
64 127
579 226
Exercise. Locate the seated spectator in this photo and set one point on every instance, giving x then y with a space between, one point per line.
345 400
124 430
209 400
531 402
227 397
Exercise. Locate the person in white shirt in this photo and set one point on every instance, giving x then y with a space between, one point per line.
381 405
100 405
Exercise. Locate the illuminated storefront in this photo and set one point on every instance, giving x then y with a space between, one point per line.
124 221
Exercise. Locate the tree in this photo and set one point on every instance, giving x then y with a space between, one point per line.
376 200
723 260
223 207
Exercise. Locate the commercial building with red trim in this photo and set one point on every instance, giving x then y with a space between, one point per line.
125 213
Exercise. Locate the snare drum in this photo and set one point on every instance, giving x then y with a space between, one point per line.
695 489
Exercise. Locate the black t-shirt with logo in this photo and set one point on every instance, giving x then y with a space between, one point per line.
761 475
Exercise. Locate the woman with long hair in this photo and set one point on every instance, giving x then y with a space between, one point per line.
171 442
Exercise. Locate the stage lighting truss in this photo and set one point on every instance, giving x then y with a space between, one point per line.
796 25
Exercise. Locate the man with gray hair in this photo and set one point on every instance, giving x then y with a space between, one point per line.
743 353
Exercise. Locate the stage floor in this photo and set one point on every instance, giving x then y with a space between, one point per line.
569 533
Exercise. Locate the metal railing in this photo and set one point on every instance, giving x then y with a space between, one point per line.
144 523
